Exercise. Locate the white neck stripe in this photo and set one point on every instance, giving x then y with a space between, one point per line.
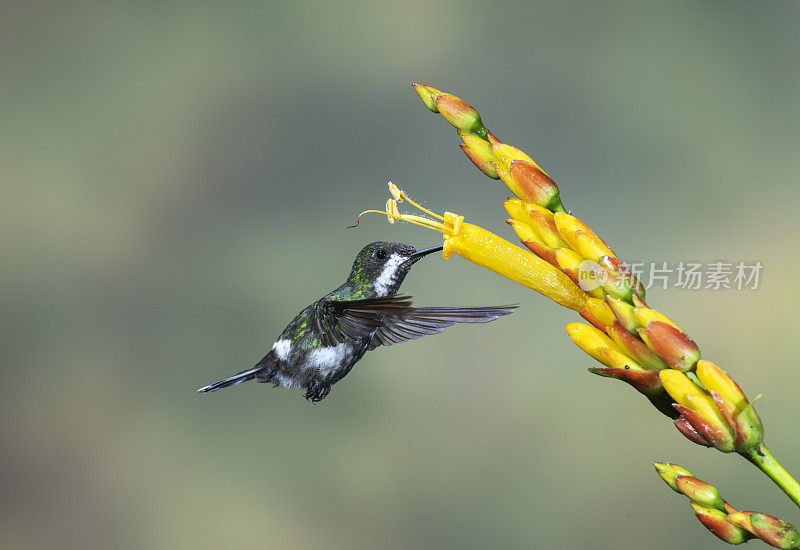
387 276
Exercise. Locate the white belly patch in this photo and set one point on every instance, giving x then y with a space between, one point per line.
327 359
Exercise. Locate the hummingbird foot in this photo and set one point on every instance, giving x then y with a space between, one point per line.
316 392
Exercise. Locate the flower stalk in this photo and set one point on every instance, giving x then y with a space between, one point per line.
763 459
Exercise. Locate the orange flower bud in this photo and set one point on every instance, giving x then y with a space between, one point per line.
700 492
525 178
456 111
460 114
672 345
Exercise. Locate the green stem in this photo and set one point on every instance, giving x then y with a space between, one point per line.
761 457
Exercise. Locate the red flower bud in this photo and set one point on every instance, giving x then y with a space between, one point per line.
672 345
691 434
717 522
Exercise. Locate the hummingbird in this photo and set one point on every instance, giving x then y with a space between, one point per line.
323 343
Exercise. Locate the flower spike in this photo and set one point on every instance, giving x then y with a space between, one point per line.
572 265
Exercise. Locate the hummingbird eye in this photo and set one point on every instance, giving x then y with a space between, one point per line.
380 254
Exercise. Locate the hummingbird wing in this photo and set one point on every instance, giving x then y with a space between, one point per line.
392 320
421 321
341 320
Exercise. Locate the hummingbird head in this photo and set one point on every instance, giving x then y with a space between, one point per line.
381 266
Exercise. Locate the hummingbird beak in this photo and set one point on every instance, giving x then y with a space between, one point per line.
417 255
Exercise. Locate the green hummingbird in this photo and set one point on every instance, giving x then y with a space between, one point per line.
323 343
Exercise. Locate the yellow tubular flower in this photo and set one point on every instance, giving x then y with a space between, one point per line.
486 249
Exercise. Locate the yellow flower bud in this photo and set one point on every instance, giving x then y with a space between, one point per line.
698 409
580 238
524 231
599 346
597 310
644 314
716 379
687 393
479 151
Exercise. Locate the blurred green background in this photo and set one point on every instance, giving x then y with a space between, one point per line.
176 182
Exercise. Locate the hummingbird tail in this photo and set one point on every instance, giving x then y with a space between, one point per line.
243 376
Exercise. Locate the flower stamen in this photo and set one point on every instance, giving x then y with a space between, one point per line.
400 195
